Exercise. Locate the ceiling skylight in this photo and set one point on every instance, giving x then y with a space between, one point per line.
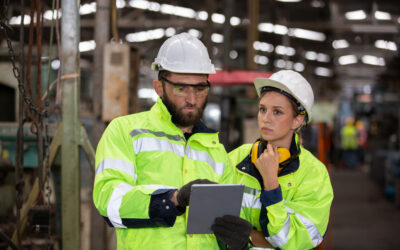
356 15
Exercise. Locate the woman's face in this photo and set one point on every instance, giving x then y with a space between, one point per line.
276 119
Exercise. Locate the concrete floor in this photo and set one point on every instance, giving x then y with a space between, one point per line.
361 216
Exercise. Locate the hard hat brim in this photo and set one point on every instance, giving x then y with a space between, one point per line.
259 83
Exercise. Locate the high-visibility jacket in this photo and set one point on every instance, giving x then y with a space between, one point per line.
295 215
142 156
348 135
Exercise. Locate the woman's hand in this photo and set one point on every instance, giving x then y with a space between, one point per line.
258 239
268 165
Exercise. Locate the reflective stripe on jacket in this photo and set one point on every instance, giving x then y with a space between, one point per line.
143 155
295 215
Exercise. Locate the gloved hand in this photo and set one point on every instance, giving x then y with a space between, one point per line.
183 196
232 230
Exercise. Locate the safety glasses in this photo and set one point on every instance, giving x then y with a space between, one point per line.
182 89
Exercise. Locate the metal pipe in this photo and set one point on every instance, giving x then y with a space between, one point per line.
252 31
70 172
98 238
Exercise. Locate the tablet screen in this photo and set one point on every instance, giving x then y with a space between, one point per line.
209 201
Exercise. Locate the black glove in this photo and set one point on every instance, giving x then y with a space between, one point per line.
183 196
232 230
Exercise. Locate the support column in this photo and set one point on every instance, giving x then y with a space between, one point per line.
98 236
70 172
252 32
230 6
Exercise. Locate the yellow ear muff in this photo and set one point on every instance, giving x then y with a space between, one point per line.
284 154
254 152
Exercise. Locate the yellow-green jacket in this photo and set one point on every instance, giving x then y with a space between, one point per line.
296 214
140 160
348 135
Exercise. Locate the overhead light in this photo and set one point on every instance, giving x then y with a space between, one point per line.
317 4
321 57
143 36
139 4
340 44
373 60
87 45
170 32
280 29
271 28
15 20
389 45
280 63
233 54
195 33
120 4
202 15
289 65
311 55
263 60
381 15
87 8
266 27
263 46
356 15
154 6
307 34
217 38
322 71
55 64
235 21
296 32
218 18
284 50
289 1
347 59
177 10
298 67
49 15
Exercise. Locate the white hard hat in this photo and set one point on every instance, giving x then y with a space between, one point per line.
293 84
183 53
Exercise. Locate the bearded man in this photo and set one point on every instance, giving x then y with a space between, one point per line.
144 160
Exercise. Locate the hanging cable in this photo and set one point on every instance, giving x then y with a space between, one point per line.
114 25
58 92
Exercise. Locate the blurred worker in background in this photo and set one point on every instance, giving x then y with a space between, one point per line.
349 144
288 192
143 159
362 138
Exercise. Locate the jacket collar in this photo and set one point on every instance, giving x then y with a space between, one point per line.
248 167
162 112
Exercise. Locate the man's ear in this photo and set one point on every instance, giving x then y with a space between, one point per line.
157 85
298 120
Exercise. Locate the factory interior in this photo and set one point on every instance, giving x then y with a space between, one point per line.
69 67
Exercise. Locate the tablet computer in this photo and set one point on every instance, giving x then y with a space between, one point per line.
209 201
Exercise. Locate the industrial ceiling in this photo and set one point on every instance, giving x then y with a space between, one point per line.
336 44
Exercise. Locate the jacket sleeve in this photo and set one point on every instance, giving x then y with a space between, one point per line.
299 223
116 196
228 174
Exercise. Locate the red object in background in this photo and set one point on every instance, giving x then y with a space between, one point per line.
236 77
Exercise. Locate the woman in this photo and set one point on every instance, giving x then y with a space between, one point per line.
288 192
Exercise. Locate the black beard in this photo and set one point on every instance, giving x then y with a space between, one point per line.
176 115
